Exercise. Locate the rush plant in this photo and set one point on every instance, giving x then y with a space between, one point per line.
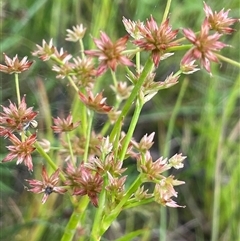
93 163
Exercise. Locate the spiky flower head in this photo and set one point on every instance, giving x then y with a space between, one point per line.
96 103
219 21
76 34
15 65
64 125
21 150
110 54
205 46
47 185
15 118
164 191
133 27
156 39
84 182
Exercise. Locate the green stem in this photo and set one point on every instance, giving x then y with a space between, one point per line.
117 127
82 49
230 61
17 88
107 220
138 63
79 109
73 84
131 129
48 159
166 11
227 113
114 78
163 210
99 213
70 148
75 218
90 121
174 116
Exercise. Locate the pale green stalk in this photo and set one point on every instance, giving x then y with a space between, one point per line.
230 61
73 84
89 130
109 218
82 49
17 88
48 159
76 217
95 234
166 11
70 148
97 230
134 120
163 210
117 127
228 110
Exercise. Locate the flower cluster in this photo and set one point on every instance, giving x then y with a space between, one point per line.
47 185
14 65
15 118
18 119
205 44
93 161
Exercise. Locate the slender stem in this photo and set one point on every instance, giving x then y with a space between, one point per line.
82 49
48 159
138 63
17 88
70 148
166 11
114 78
107 220
73 84
75 218
131 128
230 61
99 213
90 121
117 127
174 115
227 113
163 210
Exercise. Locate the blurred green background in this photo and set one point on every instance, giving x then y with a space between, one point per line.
206 129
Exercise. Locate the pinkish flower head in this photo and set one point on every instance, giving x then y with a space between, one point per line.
14 65
76 34
152 169
109 54
219 21
122 90
47 185
164 191
145 143
96 103
156 39
21 150
15 118
84 71
64 125
205 45
84 182
115 186
176 161
188 67
45 51
133 27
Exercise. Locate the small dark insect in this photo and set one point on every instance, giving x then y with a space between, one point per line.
30 124
48 190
